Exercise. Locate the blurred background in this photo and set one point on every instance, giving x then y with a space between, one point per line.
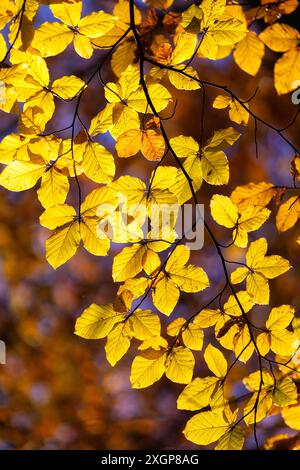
57 391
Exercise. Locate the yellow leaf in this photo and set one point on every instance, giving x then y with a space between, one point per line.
280 37
68 12
284 342
237 112
215 167
238 275
258 288
129 143
58 36
263 342
9 103
256 254
51 39
232 440
251 219
288 214
184 82
184 146
8 11
224 32
128 263
259 269
97 321
291 416
242 345
54 188
181 188
19 176
177 275
208 317
57 216
101 202
253 194
191 19
33 120
165 296
255 414
192 336
222 139
223 211
113 35
96 24
175 326
259 380
36 67
215 361
180 365
129 83
162 200
280 317
130 290
83 46
118 343
249 53
14 147
287 72
37 111
102 121
151 261
211 10
125 231
197 394
92 242
187 147
159 96
190 278
67 87
61 246
153 145
285 392
122 57
124 118
205 428
185 44
23 85
225 330
131 188
145 372
145 324
218 402
98 163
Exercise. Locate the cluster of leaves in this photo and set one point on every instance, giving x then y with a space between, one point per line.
152 52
